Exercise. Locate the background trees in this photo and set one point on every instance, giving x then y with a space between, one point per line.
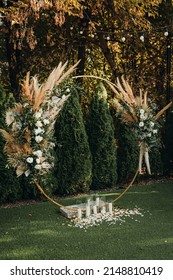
110 38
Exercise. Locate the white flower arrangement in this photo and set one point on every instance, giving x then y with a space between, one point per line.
30 137
140 114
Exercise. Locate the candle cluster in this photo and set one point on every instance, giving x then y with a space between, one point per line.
94 207
91 207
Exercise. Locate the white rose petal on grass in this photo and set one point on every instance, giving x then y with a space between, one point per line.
38 138
141 124
30 159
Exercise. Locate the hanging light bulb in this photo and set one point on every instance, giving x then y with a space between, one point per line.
107 38
81 32
142 38
92 35
166 33
123 39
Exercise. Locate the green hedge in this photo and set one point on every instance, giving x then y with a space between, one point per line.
168 146
127 153
74 167
100 132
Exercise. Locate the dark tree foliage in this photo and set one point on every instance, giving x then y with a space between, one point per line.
102 142
74 167
127 153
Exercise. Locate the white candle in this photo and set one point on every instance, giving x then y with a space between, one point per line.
87 210
97 201
110 208
88 202
79 213
103 211
95 209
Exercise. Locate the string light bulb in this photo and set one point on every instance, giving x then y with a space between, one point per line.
142 38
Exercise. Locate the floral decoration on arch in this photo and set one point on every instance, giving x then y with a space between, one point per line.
29 137
140 113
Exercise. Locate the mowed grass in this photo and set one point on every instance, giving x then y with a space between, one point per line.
40 232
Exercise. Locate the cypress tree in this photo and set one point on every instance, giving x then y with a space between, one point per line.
102 142
127 153
168 146
10 189
74 166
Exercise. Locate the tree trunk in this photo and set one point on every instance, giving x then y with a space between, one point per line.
107 53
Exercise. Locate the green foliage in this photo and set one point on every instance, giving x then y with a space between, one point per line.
168 146
127 153
74 167
102 142
10 189
156 162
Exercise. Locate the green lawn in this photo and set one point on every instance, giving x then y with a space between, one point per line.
39 231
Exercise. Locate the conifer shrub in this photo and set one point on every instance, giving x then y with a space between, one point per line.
10 189
127 153
100 132
168 146
74 166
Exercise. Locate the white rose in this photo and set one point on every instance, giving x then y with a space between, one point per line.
55 99
141 124
149 134
46 121
46 165
38 138
64 97
38 166
151 124
142 111
38 153
154 131
68 90
38 160
30 160
37 115
38 131
27 172
39 124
